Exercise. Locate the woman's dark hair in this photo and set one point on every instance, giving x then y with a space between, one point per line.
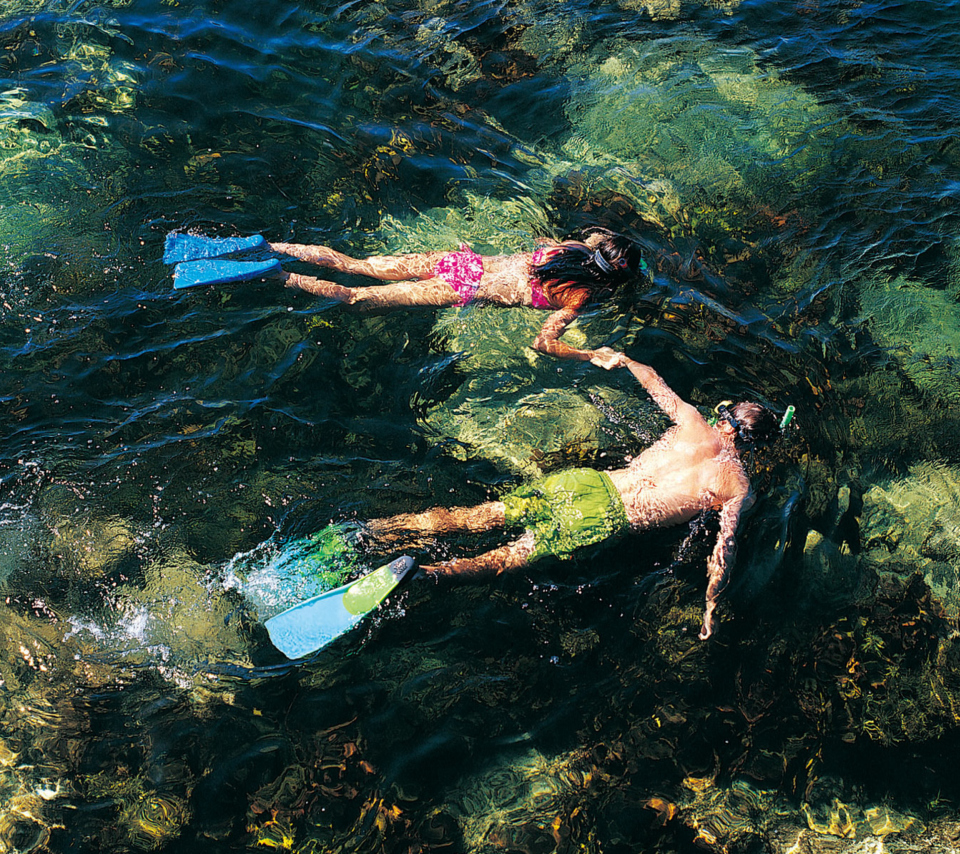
755 423
574 276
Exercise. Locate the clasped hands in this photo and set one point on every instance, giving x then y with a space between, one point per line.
608 358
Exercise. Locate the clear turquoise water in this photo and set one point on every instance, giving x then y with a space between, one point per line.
794 169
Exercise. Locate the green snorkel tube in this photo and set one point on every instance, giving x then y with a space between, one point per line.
787 417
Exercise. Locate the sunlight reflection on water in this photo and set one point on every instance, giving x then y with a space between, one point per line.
787 168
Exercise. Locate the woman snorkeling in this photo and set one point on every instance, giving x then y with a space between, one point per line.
563 278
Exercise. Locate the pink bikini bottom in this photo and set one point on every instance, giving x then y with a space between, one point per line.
463 271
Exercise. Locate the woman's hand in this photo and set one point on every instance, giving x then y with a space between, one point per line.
608 358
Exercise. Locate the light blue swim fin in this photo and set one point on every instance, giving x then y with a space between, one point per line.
190 274
181 246
313 624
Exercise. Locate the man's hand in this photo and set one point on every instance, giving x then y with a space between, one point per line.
608 358
706 630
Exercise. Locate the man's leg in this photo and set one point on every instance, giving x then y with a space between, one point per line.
439 520
515 555
443 520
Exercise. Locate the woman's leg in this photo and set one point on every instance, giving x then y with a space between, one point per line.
389 268
432 292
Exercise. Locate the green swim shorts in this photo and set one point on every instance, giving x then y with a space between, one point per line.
566 511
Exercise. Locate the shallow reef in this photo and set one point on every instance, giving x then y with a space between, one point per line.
917 326
154 434
911 524
698 140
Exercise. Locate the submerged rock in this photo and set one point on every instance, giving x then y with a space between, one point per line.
30 808
920 328
697 138
514 408
93 548
913 524
489 225
729 817
54 200
671 10
937 838
154 820
522 803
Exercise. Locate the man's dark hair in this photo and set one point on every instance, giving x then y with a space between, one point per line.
756 423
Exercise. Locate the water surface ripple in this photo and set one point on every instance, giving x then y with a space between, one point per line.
791 170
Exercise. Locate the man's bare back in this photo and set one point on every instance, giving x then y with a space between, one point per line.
693 467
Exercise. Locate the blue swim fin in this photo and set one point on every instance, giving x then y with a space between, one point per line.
313 624
181 246
190 274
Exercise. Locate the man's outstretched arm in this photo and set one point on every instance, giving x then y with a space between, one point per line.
675 407
720 561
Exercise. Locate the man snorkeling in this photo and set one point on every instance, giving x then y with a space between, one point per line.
695 466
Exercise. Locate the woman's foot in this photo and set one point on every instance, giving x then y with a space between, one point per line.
322 256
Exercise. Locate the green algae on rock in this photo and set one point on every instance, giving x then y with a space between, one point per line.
912 524
919 327
697 138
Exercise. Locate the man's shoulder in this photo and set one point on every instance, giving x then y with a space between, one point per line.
733 481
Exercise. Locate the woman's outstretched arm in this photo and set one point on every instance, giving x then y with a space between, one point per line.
548 341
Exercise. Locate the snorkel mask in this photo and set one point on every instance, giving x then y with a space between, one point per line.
602 262
721 410
714 419
724 413
620 264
